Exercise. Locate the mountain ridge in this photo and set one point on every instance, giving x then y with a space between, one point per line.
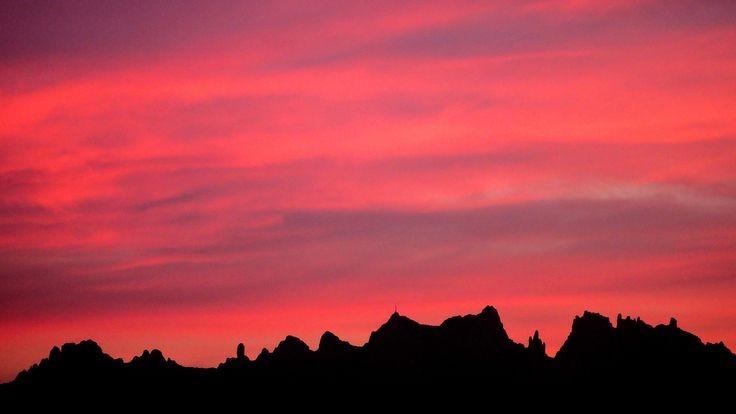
474 346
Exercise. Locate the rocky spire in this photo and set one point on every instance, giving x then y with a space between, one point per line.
536 346
241 351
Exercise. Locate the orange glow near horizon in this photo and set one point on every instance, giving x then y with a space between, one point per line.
191 177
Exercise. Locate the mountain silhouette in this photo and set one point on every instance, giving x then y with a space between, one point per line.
334 352
460 352
595 347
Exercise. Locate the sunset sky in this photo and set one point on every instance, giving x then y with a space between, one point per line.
189 175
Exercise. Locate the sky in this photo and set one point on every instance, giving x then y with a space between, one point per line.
191 175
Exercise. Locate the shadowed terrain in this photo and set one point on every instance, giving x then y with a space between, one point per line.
460 352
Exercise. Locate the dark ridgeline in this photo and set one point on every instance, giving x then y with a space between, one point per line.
404 354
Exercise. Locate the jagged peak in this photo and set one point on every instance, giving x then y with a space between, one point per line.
590 319
291 344
536 346
291 339
327 340
396 319
154 355
152 358
86 345
396 316
486 322
490 311
54 353
631 323
263 355
84 349
328 336
534 339
397 326
719 347
330 343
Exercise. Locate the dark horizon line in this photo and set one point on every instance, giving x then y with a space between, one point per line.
489 312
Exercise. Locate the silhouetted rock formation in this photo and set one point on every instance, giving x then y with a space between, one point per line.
153 360
330 344
239 362
84 363
471 336
334 351
291 348
536 347
400 342
290 354
589 340
639 352
470 349
240 353
264 355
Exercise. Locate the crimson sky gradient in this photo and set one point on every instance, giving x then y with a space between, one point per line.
188 175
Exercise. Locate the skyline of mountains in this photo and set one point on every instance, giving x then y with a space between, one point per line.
474 346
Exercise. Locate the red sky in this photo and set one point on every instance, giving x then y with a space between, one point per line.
192 175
